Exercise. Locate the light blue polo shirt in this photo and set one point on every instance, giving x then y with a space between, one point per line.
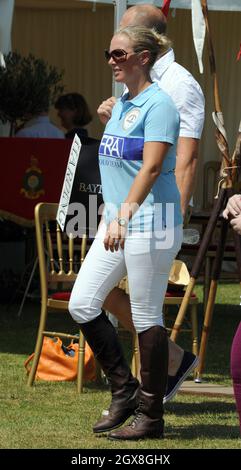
149 117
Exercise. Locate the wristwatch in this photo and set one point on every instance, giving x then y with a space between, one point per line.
122 221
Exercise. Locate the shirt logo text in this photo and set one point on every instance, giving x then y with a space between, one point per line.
111 146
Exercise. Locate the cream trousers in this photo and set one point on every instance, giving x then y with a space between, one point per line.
147 265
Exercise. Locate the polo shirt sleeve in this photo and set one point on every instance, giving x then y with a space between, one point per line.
162 123
189 100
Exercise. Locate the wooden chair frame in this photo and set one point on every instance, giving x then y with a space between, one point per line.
54 272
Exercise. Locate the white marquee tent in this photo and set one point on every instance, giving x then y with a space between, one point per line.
217 5
7 6
72 35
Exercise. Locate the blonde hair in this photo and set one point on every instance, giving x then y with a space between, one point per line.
143 38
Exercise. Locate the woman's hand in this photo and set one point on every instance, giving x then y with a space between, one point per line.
104 111
115 236
233 207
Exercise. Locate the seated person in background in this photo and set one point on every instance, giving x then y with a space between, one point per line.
40 126
74 114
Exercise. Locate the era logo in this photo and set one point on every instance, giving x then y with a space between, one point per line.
131 118
111 146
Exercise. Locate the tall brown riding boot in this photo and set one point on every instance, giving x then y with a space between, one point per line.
148 422
103 340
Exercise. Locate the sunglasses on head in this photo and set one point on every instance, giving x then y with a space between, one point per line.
118 55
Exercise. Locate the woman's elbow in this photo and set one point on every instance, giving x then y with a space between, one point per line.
154 171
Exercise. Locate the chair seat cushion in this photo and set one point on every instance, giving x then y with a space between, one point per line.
178 294
212 247
66 295
61 296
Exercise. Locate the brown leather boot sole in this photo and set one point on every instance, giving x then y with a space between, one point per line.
110 422
142 427
129 434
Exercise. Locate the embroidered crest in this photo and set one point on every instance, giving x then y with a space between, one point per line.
131 118
33 181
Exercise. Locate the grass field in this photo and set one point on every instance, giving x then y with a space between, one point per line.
52 415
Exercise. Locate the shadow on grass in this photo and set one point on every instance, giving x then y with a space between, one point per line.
189 409
197 432
202 431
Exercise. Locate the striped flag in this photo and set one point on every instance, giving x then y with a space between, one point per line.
165 7
198 31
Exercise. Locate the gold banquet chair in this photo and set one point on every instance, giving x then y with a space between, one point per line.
58 267
179 278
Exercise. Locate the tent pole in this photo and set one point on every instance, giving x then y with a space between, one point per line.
119 9
6 18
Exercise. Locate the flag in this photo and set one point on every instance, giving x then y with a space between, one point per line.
198 31
165 7
239 54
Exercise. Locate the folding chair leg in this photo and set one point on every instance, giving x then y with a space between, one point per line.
38 347
194 329
194 321
27 287
81 362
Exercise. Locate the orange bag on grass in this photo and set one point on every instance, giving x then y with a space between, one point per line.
59 363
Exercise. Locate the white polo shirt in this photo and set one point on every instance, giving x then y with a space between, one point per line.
185 92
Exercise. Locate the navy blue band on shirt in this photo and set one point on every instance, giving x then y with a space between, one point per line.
133 148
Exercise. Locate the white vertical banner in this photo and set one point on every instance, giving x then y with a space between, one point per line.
65 197
198 30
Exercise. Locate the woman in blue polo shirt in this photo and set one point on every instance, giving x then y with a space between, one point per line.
140 235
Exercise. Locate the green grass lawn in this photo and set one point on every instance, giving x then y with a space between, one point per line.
52 415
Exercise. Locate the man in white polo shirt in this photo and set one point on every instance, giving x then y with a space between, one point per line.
187 95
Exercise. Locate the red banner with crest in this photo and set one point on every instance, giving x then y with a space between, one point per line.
32 171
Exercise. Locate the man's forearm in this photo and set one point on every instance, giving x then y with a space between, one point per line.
186 185
186 166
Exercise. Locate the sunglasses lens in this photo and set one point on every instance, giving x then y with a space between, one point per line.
118 55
